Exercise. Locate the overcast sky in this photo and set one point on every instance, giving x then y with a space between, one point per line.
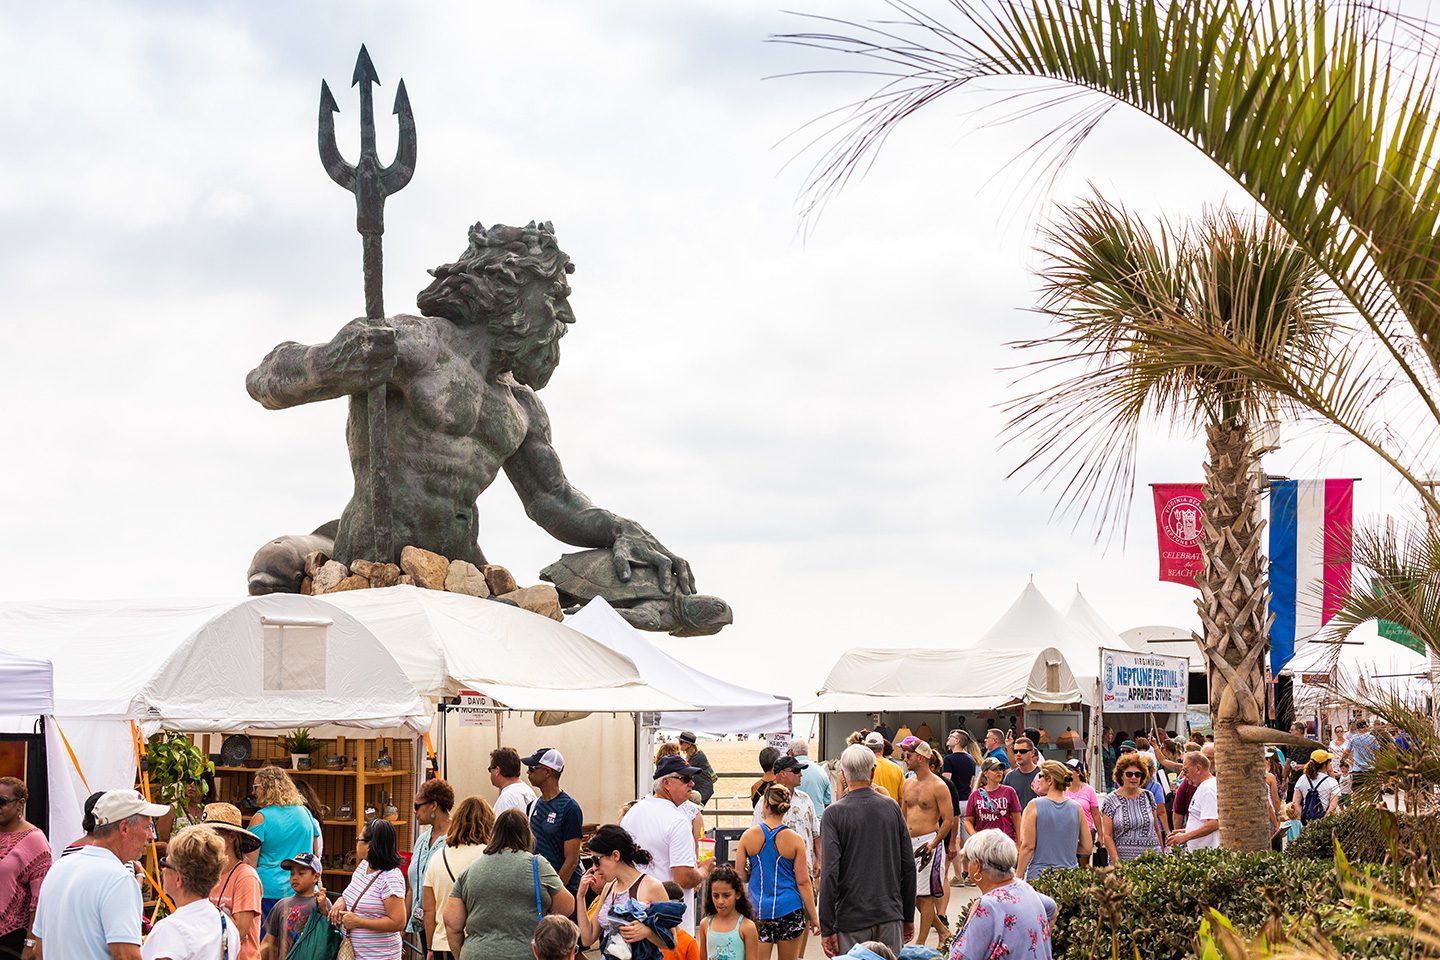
808 415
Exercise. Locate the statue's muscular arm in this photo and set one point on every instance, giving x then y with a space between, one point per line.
362 355
554 503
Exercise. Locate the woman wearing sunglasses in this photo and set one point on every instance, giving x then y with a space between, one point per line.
24 861
373 910
1129 818
195 930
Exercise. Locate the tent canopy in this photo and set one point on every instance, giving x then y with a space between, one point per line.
724 708
272 662
871 679
1085 622
27 686
1170 641
1033 622
448 642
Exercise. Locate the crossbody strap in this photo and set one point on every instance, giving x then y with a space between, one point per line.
444 860
535 868
356 905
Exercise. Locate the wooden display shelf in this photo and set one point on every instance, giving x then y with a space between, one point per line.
372 773
356 785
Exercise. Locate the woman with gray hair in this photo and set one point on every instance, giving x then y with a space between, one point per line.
1010 919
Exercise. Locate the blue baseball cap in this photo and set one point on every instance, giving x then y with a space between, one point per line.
674 765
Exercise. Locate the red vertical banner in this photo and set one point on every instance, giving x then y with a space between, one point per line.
1179 530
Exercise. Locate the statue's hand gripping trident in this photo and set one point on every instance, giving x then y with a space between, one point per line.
371 184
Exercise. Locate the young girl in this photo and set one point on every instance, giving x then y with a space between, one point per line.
728 931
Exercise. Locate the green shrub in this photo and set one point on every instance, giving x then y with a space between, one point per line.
1155 904
1365 834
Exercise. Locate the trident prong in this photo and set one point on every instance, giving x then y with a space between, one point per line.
371 184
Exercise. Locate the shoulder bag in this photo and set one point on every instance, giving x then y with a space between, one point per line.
535 869
347 949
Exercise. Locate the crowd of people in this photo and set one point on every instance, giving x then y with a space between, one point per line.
861 852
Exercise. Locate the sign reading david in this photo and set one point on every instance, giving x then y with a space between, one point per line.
1143 682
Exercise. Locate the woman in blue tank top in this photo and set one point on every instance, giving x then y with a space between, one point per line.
771 859
285 828
1054 831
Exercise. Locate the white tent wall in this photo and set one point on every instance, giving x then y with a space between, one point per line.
599 752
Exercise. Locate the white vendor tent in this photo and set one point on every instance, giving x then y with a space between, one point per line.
448 642
1171 641
27 698
27 687
724 708
872 680
273 663
1086 623
1032 623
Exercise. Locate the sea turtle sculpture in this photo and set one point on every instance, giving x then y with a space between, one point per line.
579 577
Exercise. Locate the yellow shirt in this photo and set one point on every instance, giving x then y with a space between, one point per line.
889 777
438 877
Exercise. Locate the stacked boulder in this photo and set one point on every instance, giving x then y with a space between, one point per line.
430 571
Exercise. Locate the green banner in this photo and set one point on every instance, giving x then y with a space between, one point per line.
1393 631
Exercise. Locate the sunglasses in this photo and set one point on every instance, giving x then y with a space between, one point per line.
1133 775
364 839
165 864
1023 750
6 801
683 778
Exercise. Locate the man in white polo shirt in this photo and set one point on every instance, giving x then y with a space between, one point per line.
515 794
1202 821
90 904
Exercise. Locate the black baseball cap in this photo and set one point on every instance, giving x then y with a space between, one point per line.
787 763
673 765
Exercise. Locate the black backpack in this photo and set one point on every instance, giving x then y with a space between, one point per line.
1312 807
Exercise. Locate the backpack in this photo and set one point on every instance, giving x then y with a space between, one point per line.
1312 808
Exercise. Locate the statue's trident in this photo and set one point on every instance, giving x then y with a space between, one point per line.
371 184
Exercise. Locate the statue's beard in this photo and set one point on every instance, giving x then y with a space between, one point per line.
534 363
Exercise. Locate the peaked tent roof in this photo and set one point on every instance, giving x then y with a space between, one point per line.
1085 621
448 642
205 665
869 679
725 708
1032 622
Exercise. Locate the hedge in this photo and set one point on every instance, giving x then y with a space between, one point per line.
1155 904
1365 834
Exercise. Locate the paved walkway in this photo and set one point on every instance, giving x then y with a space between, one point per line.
960 899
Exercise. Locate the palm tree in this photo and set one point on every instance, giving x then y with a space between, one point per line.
1121 296
1325 112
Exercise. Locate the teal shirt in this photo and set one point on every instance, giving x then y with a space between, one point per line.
285 832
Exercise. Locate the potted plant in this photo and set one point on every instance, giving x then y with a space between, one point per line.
300 745
177 769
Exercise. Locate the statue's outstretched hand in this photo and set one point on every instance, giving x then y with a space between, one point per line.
636 545
362 355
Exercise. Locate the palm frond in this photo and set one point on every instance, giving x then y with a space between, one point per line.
1325 113
1130 306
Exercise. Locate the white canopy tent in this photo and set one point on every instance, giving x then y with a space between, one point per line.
874 679
1031 623
27 697
268 663
448 642
1085 622
723 708
1171 641
27 686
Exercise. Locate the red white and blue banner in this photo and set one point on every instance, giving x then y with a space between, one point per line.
1311 522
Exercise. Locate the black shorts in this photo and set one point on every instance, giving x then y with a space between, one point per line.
786 927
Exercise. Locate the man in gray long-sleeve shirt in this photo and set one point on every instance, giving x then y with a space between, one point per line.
867 878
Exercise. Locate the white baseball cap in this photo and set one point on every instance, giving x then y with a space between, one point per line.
115 805
545 757
874 739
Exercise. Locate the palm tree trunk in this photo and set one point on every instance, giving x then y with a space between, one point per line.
1235 617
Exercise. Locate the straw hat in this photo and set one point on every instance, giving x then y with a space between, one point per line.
226 817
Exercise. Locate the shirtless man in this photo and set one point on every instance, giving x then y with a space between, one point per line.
929 814
461 405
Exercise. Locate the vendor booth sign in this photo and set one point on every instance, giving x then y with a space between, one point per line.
1143 682
475 709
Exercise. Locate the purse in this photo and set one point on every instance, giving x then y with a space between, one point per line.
347 948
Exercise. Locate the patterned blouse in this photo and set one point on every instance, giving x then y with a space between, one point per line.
1132 824
1011 922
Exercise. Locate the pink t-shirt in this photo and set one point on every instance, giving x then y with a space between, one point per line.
371 944
1087 798
991 809
238 891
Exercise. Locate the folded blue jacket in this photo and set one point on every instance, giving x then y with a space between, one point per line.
662 917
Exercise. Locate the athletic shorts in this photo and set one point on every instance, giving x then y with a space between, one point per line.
929 868
785 927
